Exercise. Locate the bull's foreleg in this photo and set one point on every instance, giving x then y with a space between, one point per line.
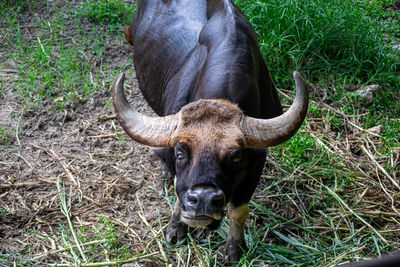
235 245
176 230
238 208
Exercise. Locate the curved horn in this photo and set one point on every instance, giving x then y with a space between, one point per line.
262 133
151 131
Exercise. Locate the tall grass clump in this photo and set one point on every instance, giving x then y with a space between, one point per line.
320 37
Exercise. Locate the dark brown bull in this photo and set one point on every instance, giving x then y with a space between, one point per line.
200 68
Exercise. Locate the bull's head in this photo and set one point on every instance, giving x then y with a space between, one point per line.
210 139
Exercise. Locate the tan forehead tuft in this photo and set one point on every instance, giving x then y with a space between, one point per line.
213 111
210 125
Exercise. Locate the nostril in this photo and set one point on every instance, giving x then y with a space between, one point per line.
192 199
204 200
218 200
218 203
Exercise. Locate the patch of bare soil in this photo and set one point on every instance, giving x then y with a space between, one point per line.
109 176
80 147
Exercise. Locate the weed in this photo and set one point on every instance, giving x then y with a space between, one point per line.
3 211
6 138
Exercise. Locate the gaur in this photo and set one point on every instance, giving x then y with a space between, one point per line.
200 69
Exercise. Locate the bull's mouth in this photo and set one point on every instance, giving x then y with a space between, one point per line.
195 220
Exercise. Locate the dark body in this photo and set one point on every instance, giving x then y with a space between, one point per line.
186 50
189 50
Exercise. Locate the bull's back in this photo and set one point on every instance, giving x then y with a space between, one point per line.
234 68
164 35
186 50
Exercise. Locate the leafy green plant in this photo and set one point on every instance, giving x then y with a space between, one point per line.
5 136
3 211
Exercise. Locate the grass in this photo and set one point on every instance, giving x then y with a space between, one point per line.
108 12
327 197
381 10
81 245
57 66
336 44
320 38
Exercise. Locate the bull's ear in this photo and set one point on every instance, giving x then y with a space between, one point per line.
262 133
151 131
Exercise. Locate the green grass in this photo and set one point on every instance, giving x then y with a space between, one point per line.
12 4
339 43
336 44
108 12
57 64
380 10
321 38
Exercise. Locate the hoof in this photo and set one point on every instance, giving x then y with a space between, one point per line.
232 251
176 232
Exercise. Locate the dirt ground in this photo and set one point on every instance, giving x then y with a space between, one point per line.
86 149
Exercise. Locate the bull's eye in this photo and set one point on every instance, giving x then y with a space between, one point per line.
236 155
179 155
